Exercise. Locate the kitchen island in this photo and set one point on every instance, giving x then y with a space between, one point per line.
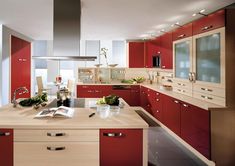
119 139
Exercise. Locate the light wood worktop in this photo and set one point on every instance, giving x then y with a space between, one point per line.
23 118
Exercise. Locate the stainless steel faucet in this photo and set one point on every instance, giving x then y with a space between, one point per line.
23 89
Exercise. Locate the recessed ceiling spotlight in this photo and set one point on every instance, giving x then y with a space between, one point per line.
202 11
194 14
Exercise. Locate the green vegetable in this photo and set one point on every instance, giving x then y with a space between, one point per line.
110 100
34 100
127 81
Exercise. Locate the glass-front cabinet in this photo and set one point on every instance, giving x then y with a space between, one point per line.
209 58
182 50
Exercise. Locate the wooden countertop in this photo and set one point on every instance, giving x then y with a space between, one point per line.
23 118
191 100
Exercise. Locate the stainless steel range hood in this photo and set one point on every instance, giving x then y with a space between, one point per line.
66 30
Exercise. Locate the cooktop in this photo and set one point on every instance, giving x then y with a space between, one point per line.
73 102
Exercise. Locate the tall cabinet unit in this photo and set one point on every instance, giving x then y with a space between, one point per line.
20 66
6 147
199 61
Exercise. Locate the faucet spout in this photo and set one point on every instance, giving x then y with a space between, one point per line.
23 89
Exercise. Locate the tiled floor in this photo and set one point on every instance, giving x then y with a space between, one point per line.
164 150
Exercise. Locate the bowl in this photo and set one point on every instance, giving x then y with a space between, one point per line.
113 65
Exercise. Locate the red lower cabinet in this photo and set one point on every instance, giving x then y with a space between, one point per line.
195 128
171 114
121 147
157 106
135 95
6 147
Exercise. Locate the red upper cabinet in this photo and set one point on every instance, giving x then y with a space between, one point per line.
136 54
20 65
183 32
210 22
6 147
167 53
121 147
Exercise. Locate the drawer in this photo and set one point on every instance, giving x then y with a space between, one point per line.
182 84
210 98
183 32
211 22
220 92
56 154
183 91
56 135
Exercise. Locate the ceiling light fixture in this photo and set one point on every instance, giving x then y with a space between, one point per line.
201 12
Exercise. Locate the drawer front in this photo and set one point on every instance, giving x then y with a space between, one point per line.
211 22
56 135
210 98
220 92
56 154
183 91
183 32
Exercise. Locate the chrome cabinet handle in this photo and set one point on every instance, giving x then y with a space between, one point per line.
185 105
157 94
2 134
205 89
177 102
207 27
157 99
55 134
181 84
181 36
89 91
163 66
180 90
113 134
206 97
157 111
55 148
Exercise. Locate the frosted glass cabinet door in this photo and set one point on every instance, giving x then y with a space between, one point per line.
208 58
182 59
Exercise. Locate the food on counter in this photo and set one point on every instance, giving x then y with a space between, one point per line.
36 100
139 79
134 80
110 100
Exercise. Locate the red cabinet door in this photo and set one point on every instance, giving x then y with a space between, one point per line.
135 95
124 94
157 106
121 147
210 22
183 32
144 101
20 66
171 114
151 50
136 54
167 53
195 128
6 147
93 91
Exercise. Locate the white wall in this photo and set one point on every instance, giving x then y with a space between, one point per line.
6 47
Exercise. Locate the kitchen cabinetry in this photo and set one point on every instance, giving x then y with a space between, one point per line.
136 52
56 147
121 147
157 105
93 91
6 147
199 66
135 95
171 114
195 128
20 66
144 99
183 32
213 21
166 54
151 51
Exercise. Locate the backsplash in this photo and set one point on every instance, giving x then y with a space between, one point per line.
108 75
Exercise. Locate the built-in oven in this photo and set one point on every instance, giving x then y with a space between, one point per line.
156 60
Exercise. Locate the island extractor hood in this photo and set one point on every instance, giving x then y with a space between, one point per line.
66 31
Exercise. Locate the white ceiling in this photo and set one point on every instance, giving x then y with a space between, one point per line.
105 19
